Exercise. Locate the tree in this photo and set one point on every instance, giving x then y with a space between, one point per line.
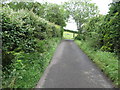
51 12
81 10
36 7
113 27
56 14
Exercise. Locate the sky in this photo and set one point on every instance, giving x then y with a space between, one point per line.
102 5
71 25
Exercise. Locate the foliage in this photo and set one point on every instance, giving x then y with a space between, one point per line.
81 10
112 32
21 29
103 30
90 31
102 33
36 7
51 12
107 61
55 14
26 39
28 67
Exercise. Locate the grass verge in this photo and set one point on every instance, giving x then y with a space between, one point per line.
106 61
27 69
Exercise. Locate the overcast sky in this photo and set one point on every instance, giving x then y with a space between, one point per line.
102 4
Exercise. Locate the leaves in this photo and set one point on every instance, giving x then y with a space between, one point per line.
22 30
51 12
81 10
26 40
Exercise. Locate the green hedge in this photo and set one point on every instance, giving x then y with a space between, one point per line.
27 68
27 39
21 30
104 30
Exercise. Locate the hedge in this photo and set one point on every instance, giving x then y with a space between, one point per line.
21 31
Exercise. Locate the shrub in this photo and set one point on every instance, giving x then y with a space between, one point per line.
20 31
27 44
103 30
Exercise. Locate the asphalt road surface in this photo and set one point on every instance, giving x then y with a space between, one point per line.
71 68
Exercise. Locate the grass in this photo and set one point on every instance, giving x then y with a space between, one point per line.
106 61
68 35
27 69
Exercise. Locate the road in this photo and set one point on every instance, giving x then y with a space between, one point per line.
71 68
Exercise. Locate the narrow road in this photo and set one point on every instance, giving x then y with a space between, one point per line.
71 68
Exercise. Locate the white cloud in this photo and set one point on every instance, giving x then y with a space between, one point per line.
102 5
71 24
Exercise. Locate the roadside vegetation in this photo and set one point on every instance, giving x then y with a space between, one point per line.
28 41
31 31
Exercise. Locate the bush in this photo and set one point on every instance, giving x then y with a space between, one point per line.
103 30
51 12
21 29
29 67
27 46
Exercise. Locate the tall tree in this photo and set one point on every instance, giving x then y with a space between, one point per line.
56 14
81 10
51 12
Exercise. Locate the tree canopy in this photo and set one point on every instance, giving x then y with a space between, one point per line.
51 12
81 10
